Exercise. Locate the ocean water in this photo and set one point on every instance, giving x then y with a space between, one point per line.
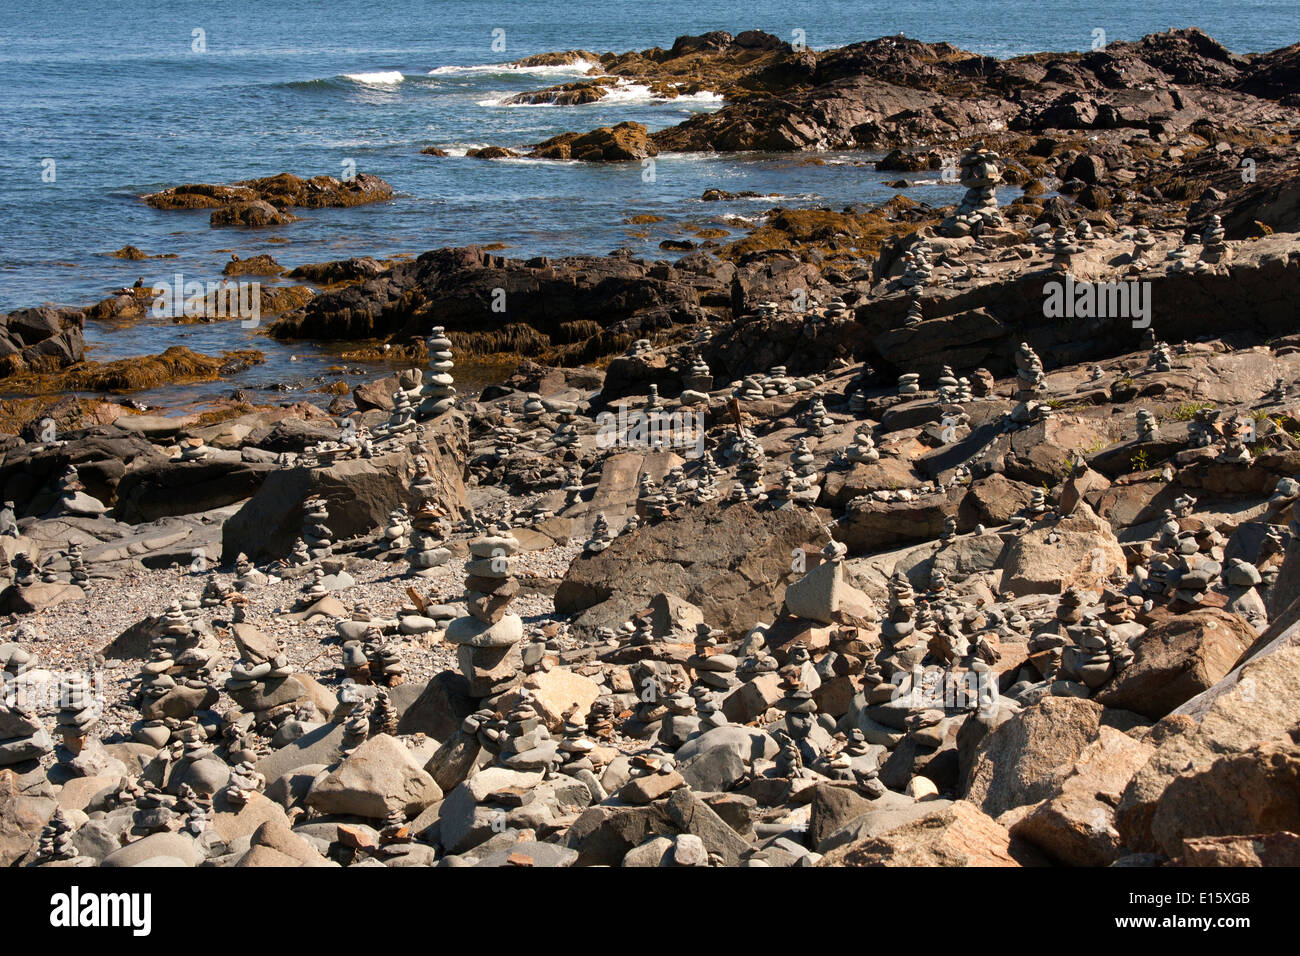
117 99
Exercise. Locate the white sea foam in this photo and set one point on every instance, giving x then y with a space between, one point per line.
621 92
378 78
576 68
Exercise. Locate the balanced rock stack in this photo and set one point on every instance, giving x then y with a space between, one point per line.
816 419
261 679
1063 248
1213 247
749 484
863 449
439 390
698 378
706 485
78 711
601 536
915 315
1146 425
488 638
73 499
1029 370
978 210
909 383
428 525
316 534
750 389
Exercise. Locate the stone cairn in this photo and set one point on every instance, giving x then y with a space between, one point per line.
428 524
566 434
1235 437
915 314
750 389
402 418
1160 360
439 390
917 268
815 419
601 536
179 676
78 712
706 485
698 378
978 210
397 533
778 383
863 449
1062 247
1030 376
55 842
651 504
316 534
749 471
1214 248
1146 425
1143 243
22 733
487 639
909 383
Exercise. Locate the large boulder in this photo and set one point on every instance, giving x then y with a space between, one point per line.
165 489
380 777
360 493
957 834
609 144
1079 550
1177 659
731 561
1077 826
21 819
1029 757
1256 791
1254 704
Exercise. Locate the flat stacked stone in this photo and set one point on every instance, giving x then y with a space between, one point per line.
316 534
428 526
439 390
488 653
601 535
1030 376
863 449
698 378
980 174
78 712
1214 248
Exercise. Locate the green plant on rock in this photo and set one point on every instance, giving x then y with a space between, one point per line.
1139 460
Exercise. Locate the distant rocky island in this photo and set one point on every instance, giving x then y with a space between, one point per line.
890 535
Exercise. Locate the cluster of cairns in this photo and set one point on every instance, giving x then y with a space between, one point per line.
934 602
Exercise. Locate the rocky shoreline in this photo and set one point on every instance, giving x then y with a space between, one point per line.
882 536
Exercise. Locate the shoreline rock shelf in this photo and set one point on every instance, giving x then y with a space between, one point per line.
828 545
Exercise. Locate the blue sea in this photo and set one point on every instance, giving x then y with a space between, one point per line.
112 100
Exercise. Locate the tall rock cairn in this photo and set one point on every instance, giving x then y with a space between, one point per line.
980 174
439 393
488 637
